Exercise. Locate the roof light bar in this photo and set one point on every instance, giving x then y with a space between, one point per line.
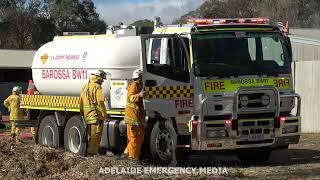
229 20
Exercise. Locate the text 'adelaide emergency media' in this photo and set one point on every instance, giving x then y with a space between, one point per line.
162 170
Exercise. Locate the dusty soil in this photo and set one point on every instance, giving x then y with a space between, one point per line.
30 161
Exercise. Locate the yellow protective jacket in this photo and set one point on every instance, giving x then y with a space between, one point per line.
92 102
134 112
13 104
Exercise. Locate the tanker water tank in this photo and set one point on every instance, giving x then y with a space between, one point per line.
62 66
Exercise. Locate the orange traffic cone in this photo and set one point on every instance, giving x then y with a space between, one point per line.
31 88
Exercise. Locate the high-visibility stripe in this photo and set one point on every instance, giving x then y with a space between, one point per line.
51 101
131 121
57 103
120 112
183 91
91 120
223 85
50 108
132 105
115 112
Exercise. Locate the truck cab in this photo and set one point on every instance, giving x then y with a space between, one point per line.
220 84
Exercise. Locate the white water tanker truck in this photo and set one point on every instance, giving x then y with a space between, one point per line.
214 85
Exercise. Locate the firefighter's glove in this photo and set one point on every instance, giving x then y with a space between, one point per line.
142 94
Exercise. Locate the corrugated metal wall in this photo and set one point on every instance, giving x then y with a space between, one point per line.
307 80
306 53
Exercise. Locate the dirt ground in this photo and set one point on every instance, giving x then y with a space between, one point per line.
30 161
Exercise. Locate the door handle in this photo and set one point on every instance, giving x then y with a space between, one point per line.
150 83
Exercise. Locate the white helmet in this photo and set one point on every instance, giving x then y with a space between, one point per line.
101 73
137 73
17 89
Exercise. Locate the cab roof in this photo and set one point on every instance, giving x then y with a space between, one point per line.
226 24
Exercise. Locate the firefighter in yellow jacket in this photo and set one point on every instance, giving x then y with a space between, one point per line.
135 116
16 113
93 109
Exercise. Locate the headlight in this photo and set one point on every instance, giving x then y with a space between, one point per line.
290 129
244 100
265 100
216 133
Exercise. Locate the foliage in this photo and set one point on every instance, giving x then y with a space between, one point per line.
143 23
28 24
299 13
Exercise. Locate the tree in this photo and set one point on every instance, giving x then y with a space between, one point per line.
18 23
89 18
79 16
28 24
143 23
64 15
300 13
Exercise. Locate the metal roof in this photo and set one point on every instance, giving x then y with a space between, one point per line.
306 33
16 58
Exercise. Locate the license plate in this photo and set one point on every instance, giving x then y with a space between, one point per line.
256 137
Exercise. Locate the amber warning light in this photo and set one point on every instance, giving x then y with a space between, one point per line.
229 20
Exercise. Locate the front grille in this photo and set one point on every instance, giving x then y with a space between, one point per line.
256 116
215 125
266 131
255 131
257 123
221 117
263 123
252 123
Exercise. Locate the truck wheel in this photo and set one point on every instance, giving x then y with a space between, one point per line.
75 138
163 144
48 133
145 148
254 156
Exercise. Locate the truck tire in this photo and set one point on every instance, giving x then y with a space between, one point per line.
48 133
256 156
75 136
145 148
163 144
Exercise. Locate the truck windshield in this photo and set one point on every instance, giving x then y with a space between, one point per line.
239 53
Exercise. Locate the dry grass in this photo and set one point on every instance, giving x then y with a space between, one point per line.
28 160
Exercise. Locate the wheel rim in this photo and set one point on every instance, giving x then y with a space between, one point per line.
164 145
74 139
48 136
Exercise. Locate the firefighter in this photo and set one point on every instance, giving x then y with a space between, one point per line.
135 116
93 109
16 113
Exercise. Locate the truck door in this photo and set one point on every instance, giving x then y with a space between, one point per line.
166 75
